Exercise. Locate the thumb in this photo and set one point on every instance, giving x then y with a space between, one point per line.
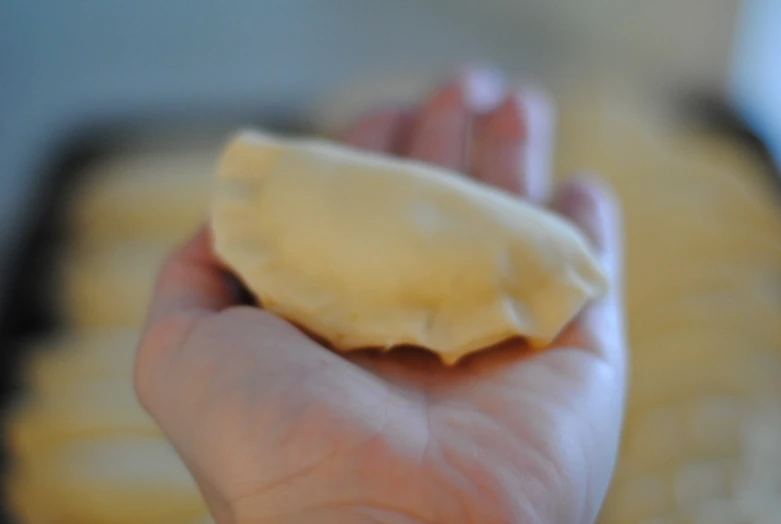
592 206
197 328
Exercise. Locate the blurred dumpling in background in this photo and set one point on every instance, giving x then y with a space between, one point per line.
150 193
123 218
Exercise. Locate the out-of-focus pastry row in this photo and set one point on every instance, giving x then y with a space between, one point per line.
83 449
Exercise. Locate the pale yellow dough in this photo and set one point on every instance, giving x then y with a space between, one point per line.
369 251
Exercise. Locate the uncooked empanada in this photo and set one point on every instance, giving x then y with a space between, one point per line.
368 251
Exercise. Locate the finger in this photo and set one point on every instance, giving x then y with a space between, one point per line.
513 145
593 208
379 130
440 132
193 279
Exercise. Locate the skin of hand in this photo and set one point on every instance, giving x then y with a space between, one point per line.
276 428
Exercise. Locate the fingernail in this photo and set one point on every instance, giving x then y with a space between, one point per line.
576 197
483 88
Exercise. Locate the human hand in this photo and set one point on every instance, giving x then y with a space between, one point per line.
275 428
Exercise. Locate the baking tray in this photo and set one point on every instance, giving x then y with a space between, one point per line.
28 313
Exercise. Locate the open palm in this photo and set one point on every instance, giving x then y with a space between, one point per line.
276 428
